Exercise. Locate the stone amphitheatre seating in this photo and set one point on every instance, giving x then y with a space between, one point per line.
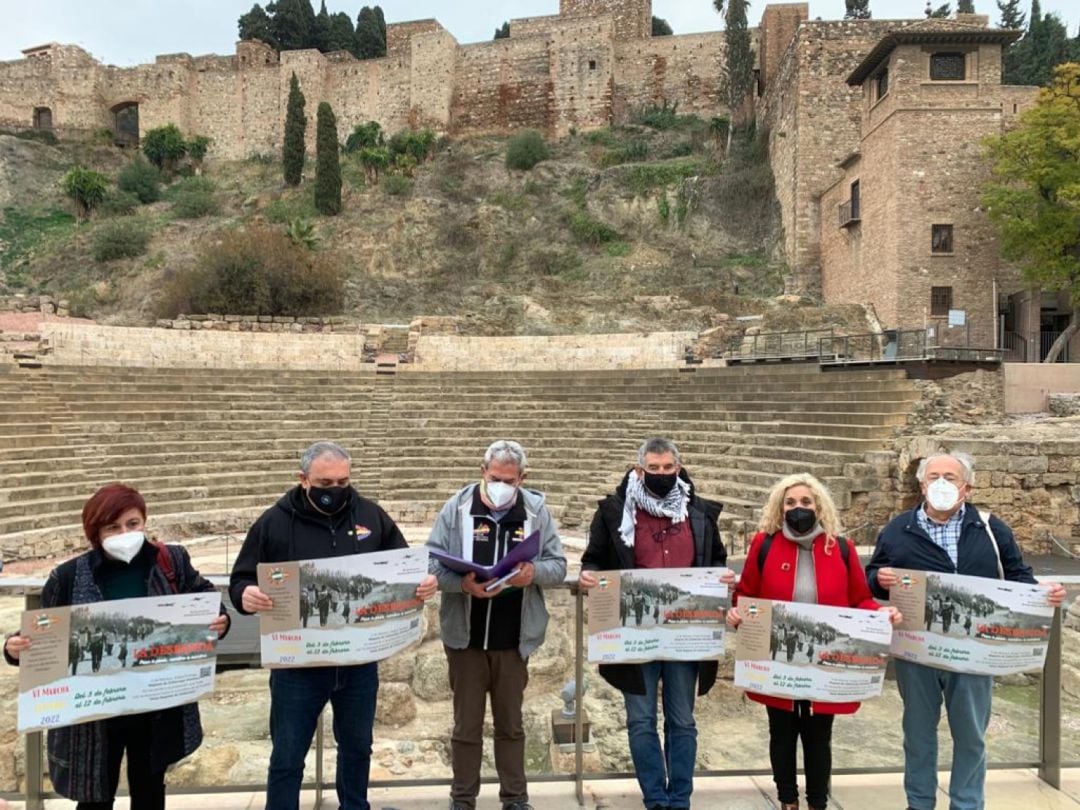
211 448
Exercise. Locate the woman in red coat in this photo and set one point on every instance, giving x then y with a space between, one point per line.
798 555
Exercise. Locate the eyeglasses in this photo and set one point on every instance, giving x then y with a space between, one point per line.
660 535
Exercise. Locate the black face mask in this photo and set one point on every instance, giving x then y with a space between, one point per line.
660 484
328 499
800 520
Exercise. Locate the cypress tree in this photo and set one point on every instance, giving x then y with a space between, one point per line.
295 124
738 72
370 33
327 162
342 36
320 31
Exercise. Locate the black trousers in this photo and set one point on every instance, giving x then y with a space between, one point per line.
785 729
133 733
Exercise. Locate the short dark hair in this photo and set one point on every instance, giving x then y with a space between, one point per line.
106 505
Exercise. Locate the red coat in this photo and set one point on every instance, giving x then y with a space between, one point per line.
836 586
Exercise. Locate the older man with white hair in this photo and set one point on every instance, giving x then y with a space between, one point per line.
490 630
948 534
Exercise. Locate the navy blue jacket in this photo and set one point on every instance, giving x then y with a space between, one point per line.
904 544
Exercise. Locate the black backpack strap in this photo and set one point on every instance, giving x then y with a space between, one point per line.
766 544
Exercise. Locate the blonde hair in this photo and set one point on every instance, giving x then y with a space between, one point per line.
772 515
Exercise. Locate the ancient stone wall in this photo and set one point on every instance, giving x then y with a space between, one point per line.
203 348
554 353
554 73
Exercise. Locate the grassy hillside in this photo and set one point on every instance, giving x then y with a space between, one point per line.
629 228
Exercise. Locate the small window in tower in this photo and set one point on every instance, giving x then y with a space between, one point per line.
947 67
941 239
940 300
592 64
881 84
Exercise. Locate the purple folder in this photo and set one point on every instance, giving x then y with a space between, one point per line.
525 551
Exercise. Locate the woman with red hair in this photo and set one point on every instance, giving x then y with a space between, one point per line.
122 563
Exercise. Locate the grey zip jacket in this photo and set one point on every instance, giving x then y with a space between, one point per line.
448 534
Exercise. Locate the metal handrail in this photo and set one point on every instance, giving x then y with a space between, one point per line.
1049 764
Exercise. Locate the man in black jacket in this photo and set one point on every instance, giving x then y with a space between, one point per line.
945 533
321 517
654 519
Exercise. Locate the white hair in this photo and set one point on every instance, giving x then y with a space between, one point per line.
657 446
505 451
322 450
966 462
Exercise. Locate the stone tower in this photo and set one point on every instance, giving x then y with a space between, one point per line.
633 18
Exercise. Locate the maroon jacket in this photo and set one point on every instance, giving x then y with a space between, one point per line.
837 585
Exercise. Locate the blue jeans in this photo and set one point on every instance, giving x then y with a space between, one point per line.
297 696
967 703
666 777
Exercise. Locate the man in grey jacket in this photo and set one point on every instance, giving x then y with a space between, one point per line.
489 635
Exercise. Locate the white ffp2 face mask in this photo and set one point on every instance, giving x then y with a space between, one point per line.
499 494
124 546
942 494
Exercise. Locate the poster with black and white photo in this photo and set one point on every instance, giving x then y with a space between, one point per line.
811 652
103 659
341 610
968 624
657 614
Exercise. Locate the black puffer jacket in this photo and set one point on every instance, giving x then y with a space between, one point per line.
292 529
607 552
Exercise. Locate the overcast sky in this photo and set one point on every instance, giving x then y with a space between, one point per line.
129 32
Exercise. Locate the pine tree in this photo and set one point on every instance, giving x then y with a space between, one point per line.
939 13
738 71
291 23
327 162
320 32
660 27
857 10
965 6
342 35
295 124
1011 15
256 25
503 31
370 33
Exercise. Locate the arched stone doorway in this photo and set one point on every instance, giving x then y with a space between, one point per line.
126 124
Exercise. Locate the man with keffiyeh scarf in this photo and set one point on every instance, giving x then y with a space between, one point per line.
655 519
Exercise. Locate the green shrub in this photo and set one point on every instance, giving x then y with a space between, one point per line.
618 249
119 203
680 149
396 185
164 146
602 137
197 147
525 150
633 151
364 136
86 187
644 178
663 206
193 198
419 144
302 232
666 116
284 210
553 262
40 135
590 231
141 179
257 271
120 239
